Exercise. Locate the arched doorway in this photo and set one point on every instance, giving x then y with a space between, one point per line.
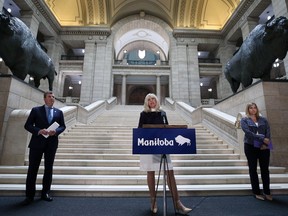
137 95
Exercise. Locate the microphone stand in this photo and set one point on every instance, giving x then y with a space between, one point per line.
165 168
164 158
164 184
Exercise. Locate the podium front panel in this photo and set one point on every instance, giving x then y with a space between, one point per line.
164 141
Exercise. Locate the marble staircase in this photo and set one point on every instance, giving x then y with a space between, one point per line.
97 160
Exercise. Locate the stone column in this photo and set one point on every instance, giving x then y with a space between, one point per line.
99 72
30 19
3 68
179 79
54 51
123 90
248 26
88 73
158 87
174 80
280 7
182 73
185 72
225 53
107 70
1 4
194 94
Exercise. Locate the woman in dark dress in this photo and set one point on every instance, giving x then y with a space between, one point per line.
152 114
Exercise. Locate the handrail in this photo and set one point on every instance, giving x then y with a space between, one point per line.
218 122
14 150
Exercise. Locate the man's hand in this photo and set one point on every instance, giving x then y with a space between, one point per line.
52 132
43 132
46 132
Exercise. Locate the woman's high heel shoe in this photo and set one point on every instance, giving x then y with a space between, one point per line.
181 209
259 197
268 197
154 208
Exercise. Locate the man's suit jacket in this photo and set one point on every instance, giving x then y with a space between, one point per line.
37 120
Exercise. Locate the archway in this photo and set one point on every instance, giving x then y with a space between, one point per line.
143 75
137 95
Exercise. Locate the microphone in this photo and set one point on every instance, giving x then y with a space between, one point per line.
163 114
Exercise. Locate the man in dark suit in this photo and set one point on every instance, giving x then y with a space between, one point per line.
43 141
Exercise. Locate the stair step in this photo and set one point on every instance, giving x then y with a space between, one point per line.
93 157
140 190
139 179
92 152
126 146
133 169
96 160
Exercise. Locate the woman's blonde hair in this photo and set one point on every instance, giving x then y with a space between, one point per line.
146 107
248 107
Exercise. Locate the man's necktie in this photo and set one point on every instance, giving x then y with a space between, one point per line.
50 114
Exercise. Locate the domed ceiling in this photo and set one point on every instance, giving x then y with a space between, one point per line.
195 14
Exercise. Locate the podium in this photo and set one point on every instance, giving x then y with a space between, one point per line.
164 139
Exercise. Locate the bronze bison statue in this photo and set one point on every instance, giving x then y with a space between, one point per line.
22 53
258 52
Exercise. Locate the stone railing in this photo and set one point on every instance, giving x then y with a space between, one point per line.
89 113
16 138
69 100
223 125
170 103
210 101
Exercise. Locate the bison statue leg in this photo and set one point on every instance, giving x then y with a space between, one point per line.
50 81
50 76
36 82
247 82
233 83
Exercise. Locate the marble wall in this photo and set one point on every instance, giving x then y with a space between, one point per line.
272 100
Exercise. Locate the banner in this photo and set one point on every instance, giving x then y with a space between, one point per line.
164 141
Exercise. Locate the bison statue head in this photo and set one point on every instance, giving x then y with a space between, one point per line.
258 52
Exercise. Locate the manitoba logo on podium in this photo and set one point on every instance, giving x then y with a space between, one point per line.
165 140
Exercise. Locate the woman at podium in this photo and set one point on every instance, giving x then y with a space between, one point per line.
152 114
